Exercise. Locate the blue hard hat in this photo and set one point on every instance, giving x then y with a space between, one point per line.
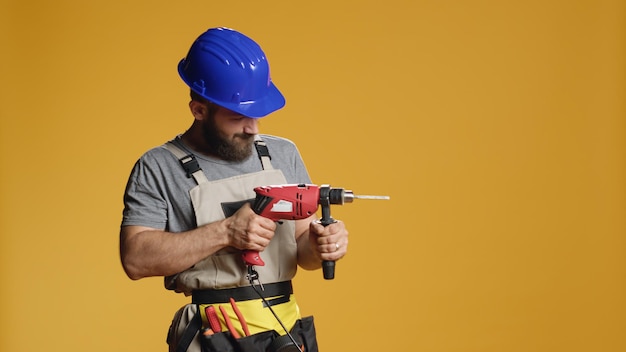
231 70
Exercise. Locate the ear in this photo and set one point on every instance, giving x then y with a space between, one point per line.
198 110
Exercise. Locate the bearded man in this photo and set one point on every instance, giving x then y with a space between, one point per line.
187 214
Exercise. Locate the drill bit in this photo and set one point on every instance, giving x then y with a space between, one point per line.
370 197
348 197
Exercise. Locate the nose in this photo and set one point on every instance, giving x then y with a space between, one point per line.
251 126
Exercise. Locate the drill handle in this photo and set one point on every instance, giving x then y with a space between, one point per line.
324 202
328 266
252 258
326 220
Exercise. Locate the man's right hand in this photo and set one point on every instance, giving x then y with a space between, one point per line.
248 231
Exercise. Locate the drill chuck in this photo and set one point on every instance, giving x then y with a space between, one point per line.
340 196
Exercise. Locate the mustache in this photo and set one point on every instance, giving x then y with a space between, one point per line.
245 136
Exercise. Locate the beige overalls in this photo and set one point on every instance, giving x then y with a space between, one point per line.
225 269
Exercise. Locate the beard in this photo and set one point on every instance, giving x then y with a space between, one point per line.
236 148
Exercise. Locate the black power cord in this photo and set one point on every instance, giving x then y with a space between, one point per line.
252 276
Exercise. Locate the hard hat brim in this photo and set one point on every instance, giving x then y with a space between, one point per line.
272 100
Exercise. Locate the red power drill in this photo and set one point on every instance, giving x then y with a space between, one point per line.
299 201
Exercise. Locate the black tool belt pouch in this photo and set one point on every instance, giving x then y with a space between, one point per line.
268 341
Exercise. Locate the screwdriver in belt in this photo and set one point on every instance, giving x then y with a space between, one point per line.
214 321
242 320
229 323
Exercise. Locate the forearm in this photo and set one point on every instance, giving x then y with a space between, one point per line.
149 252
307 258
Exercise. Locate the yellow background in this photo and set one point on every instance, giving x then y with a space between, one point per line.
498 128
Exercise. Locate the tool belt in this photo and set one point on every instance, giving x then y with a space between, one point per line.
268 341
303 331
240 293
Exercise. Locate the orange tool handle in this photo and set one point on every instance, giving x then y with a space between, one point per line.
229 323
242 321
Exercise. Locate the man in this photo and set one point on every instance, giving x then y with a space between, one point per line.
187 215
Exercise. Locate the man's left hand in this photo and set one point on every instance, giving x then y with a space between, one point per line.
328 242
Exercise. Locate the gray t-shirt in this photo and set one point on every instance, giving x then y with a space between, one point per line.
157 192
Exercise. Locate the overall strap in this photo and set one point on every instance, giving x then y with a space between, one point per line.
189 163
191 166
192 328
264 153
